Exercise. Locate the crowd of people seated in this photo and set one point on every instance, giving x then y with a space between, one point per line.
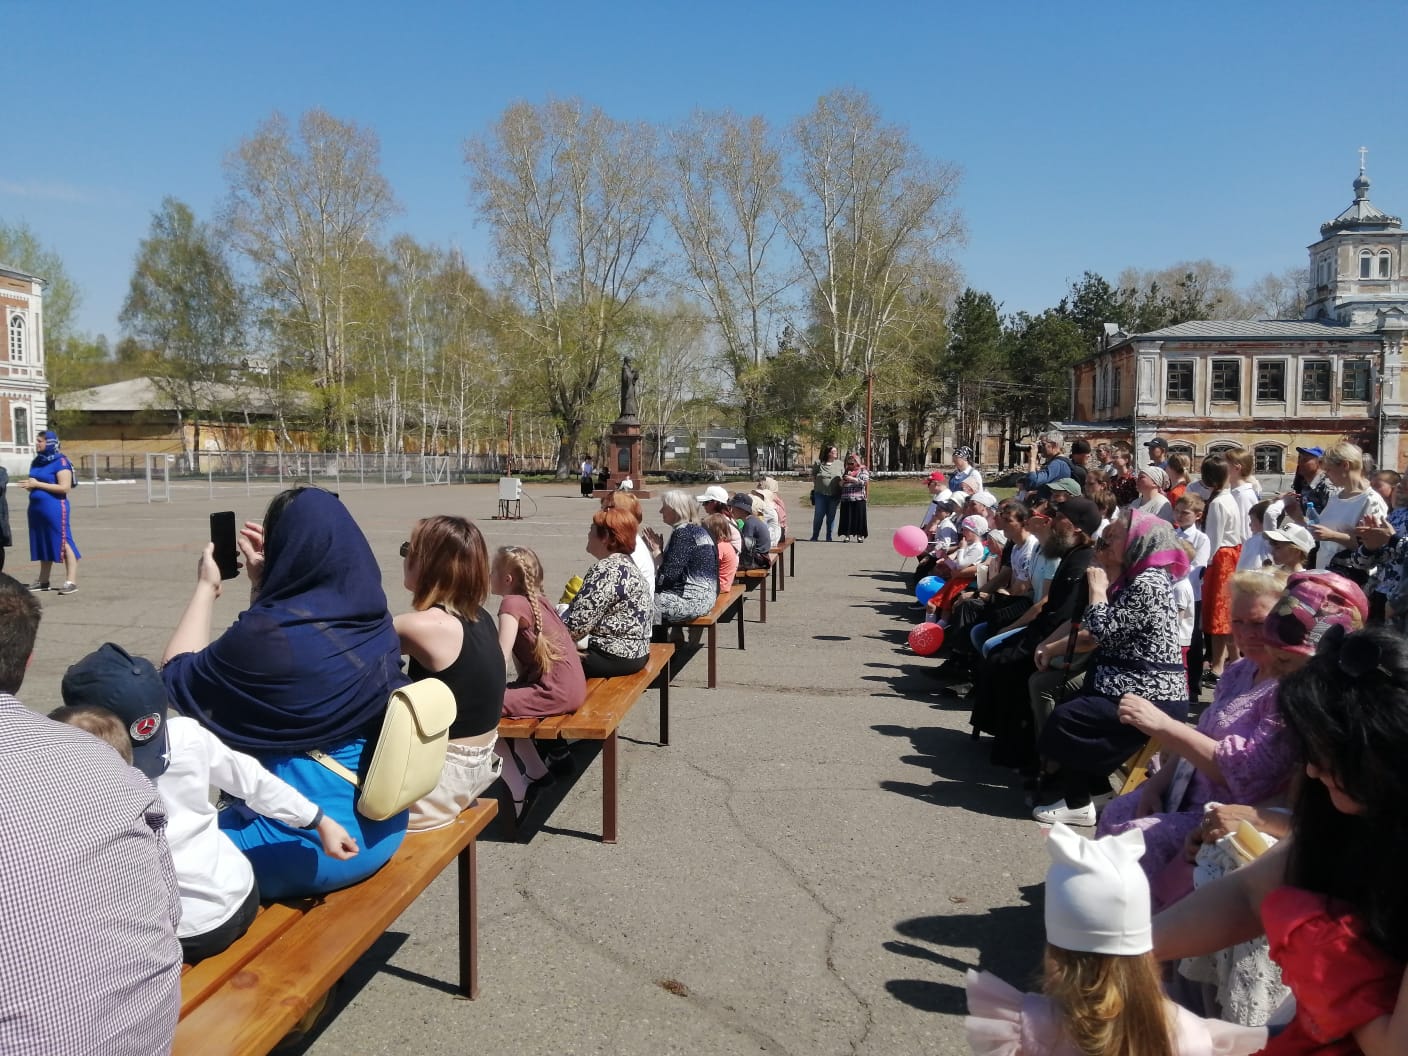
280 713
1097 607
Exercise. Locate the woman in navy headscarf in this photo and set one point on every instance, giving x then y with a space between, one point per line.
51 478
310 665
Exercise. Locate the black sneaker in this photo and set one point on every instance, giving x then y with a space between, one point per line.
558 760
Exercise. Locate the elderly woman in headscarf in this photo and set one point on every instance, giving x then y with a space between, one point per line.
303 675
1132 624
50 479
1151 484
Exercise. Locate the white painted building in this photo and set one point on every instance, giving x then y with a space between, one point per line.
23 387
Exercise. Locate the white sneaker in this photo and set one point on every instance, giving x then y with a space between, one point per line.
1059 812
69 588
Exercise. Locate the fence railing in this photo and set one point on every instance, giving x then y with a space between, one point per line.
137 478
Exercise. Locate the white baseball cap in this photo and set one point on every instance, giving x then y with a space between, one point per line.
1292 533
713 493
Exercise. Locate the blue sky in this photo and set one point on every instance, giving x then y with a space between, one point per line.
1091 136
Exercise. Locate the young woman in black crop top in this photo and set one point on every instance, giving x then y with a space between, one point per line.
448 635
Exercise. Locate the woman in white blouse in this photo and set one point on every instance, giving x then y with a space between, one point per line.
1344 465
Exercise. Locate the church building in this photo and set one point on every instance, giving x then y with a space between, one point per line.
1272 385
23 386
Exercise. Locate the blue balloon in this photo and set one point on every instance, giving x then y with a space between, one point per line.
927 588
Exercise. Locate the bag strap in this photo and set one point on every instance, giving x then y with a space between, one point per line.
320 756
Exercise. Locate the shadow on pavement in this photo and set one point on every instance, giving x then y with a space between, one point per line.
1009 941
963 777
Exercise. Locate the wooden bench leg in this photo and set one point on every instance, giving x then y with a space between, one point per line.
469 922
738 619
793 551
713 654
773 582
762 603
664 683
608 789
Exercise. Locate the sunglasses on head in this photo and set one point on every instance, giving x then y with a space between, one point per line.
405 548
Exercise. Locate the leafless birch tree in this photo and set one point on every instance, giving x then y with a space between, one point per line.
869 217
725 197
305 209
570 195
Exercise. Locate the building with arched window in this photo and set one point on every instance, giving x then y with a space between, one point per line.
1273 385
23 386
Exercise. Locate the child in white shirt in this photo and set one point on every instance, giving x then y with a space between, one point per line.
1256 551
219 897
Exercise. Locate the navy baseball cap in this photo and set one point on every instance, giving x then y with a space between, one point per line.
1313 452
130 688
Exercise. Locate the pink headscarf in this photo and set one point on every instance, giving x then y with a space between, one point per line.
1151 543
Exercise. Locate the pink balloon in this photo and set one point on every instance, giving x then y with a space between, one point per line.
910 541
926 639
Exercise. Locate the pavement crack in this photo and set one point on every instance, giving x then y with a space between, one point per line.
806 888
723 1014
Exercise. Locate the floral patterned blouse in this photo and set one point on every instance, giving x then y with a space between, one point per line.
1138 636
614 608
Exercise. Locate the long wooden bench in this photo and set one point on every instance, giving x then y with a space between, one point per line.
757 578
608 701
787 546
1135 770
246 999
732 602
779 564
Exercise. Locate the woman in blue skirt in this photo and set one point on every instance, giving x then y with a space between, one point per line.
310 665
51 478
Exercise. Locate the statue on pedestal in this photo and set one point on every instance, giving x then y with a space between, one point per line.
630 378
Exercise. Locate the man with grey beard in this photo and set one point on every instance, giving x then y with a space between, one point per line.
1000 697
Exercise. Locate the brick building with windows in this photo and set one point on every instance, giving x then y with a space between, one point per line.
23 387
1272 385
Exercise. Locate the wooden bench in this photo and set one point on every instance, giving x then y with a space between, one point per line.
780 552
608 701
757 578
246 999
1135 769
730 602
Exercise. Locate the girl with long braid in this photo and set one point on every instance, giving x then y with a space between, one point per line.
548 672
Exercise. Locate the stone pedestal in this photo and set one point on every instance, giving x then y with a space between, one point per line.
624 456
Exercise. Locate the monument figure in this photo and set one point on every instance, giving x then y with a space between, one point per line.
630 402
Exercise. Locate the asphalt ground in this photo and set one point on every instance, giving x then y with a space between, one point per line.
808 868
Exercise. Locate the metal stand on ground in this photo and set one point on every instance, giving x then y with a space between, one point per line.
510 496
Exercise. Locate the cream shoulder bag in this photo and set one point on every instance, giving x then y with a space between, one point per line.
410 751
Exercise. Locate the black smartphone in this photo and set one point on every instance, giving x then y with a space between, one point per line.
222 534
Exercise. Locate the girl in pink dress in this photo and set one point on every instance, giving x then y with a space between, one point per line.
549 678
1101 994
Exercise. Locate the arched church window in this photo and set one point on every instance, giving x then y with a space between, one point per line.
1366 265
17 338
1384 264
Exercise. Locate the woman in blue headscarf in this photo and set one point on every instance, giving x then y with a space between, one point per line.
50 480
310 665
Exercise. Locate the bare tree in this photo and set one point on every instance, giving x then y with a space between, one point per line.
1280 296
306 209
870 217
570 195
183 303
668 345
724 208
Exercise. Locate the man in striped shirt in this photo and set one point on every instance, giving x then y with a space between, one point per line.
88 899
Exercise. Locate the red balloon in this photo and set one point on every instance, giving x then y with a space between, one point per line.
926 639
